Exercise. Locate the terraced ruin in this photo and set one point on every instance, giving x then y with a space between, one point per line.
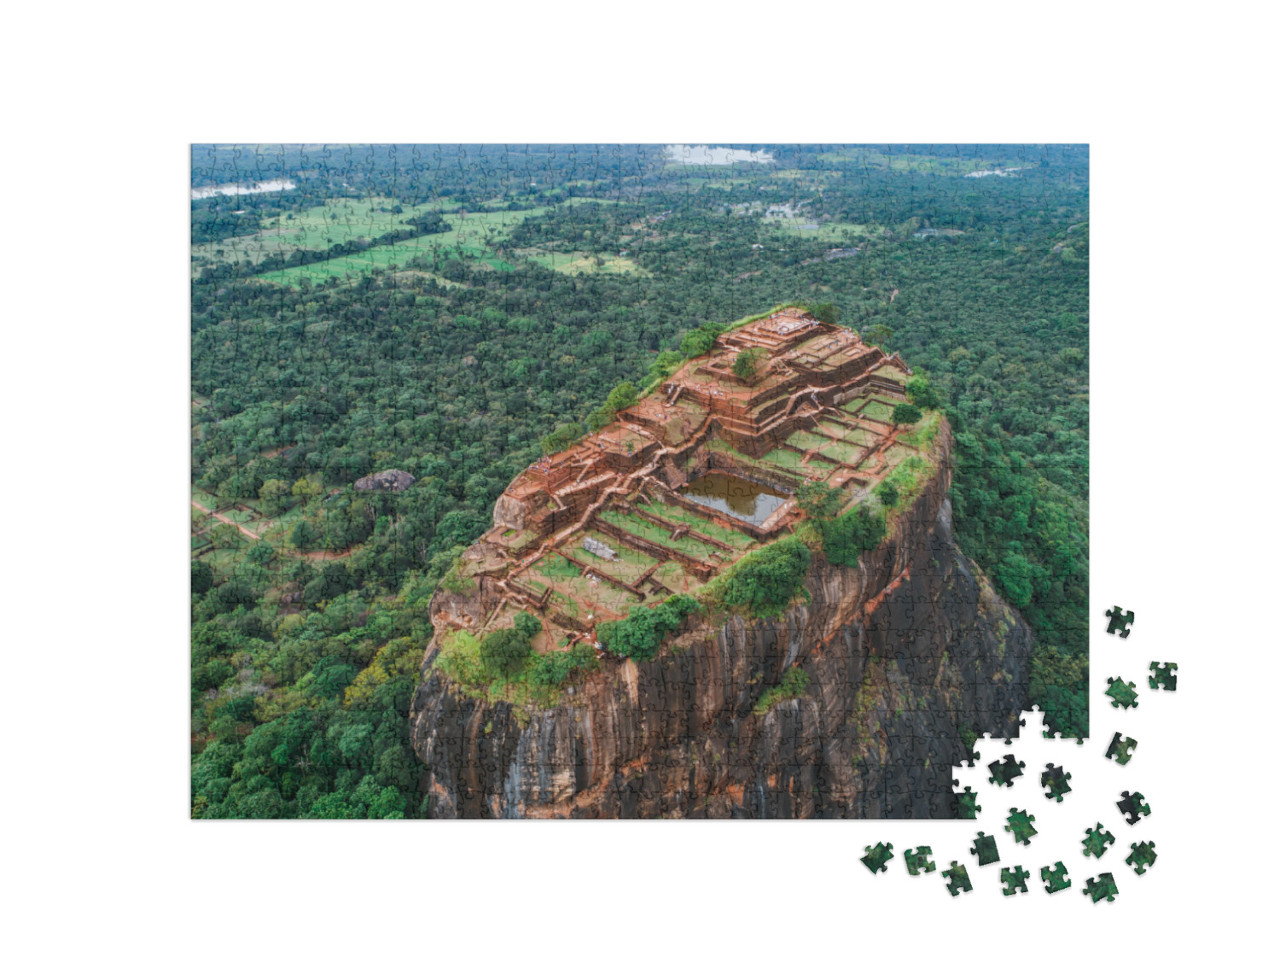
687 480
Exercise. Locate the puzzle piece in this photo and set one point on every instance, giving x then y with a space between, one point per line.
1055 880
1096 841
918 860
1015 880
1104 887
1118 622
958 879
984 847
1056 781
1122 693
1121 749
1164 676
1004 772
968 802
877 857
1134 806
1141 856
1019 823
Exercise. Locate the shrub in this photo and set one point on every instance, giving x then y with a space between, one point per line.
639 635
766 581
794 681
555 667
701 340
921 393
887 492
905 414
819 500
504 652
746 362
847 537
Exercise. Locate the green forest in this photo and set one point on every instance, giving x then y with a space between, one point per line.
444 311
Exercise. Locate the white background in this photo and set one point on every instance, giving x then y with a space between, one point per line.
102 101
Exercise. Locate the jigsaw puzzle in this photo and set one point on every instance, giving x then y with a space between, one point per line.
918 860
1055 879
621 481
1133 806
1014 880
957 879
1142 856
1121 749
1164 676
1096 841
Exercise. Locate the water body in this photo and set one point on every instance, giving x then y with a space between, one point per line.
716 156
231 190
747 500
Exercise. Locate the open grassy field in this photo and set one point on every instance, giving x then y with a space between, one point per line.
831 232
877 410
315 229
474 235
577 262
679 516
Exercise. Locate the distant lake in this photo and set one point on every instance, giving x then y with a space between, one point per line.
230 190
715 156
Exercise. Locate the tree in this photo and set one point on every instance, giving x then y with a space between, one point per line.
887 492
766 581
819 500
505 651
623 396
201 577
847 537
921 393
307 488
272 493
826 312
878 334
745 364
905 414
560 438
701 340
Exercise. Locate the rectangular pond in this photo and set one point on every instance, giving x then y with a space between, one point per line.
748 500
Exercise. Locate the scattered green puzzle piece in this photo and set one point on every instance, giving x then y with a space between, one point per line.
877 856
959 879
918 860
1118 620
1164 676
1014 879
1096 841
1134 806
1019 823
1055 879
1122 693
1104 887
1056 781
984 847
1005 771
1121 749
1141 856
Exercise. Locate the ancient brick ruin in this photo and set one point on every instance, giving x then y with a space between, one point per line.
582 536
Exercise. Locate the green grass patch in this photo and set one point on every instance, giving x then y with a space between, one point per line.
680 516
925 431
794 681
538 682
658 535
557 567
877 410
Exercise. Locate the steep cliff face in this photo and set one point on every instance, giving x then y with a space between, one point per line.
906 655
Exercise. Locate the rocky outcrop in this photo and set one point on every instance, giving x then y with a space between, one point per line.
393 480
908 656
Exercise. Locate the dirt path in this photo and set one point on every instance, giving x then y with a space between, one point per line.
226 521
319 555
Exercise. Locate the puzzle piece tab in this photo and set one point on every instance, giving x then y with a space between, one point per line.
969 807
